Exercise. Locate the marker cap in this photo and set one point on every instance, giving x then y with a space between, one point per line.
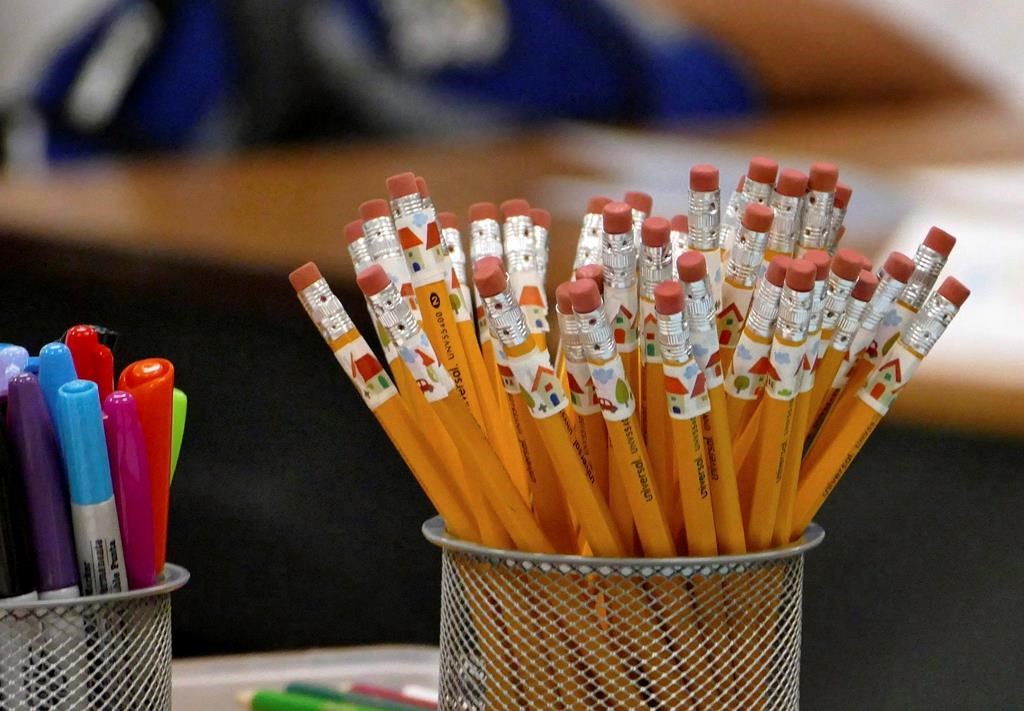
55 368
83 443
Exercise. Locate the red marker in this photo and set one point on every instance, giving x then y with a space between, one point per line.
151 383
93 360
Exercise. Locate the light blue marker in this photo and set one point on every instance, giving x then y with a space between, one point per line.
55 369
93 510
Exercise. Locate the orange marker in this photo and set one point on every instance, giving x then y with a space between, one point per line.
151 383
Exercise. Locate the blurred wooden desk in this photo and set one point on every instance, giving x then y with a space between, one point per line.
274 209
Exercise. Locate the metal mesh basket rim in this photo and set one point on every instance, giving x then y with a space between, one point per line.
174 577
434 531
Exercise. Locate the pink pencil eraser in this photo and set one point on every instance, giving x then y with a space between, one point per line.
777 267
843 194
791 183
489 276
421 187
585 296
514 208
617 217
402 184
639 201
447 220
762 170
691 266
669 297
562 299
823 177
758 218
704 178
594 272
899 266
654 232
304 276
372 280
954 290
680 223
847 264
540 217
800 275
596 204
372 209
353 231
483 211
865 287
940 240
821 262
867 264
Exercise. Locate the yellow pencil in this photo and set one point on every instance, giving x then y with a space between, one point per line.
775 414
547 403
874 400
785 202
816 209
686 400
524 268
619 405
496 490
621 302
380 395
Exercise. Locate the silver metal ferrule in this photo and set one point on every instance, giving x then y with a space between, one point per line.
638 224
569 328
517 234
927 265
359 252
794 314
837 293
881 302
381 238
506 318
754 191
764 309
618 256
838 215
746 256
394 314
786 224
700 305
848 324
817 305
674 337
704 214
588 247
816 219
655 267
453 241
540 250
406 205
679 241
596 335
928 324
325 310
485 240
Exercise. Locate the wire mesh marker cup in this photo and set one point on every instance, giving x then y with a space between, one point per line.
100 652
523 630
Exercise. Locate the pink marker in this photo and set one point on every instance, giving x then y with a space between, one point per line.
129 471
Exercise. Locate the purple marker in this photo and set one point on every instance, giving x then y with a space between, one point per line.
35 444
129 470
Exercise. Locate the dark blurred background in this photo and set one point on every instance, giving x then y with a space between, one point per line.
167 163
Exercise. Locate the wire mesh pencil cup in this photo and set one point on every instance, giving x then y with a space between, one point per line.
100 652
523 630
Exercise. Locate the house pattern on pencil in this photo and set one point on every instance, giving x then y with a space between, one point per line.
366 373
459 307
507 377
708 356
749 369
483 328
539 385
390 349
784 369
886 381
807 367
613 393
582 392
530 295
424 250
649 351
686 390
730 324
420 358
623 317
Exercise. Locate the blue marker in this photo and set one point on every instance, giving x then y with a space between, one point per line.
93 510
55 369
